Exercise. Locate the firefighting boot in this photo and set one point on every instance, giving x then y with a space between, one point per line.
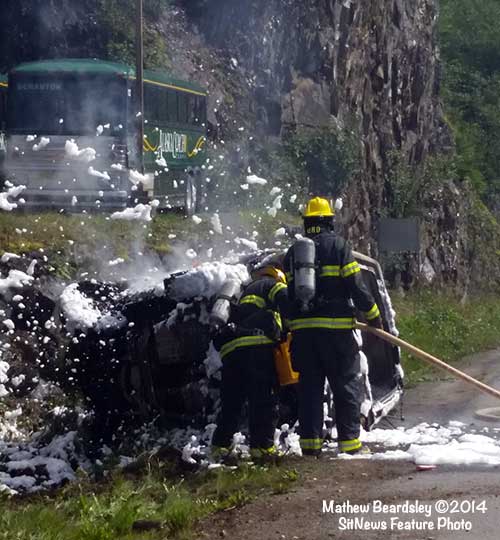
352 447
266 456
363 451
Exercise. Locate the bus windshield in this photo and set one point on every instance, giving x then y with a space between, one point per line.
66 105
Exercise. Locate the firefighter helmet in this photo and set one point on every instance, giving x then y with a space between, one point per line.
270 271
318 207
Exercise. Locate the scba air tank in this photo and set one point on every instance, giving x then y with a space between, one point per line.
221 311
304 272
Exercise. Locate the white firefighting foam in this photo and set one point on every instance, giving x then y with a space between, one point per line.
12 192
85 154
79 311
207 279
424 444
140 212
454 444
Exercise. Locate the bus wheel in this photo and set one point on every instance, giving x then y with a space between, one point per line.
190 196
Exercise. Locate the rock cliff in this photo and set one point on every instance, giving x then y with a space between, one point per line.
375 65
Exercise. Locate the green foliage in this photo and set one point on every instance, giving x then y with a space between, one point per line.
470 44
439 323
407 186
228 169
236 488
180 513
277 162
469 30
118 29
483 231
107 512
326 157
36 29
319 161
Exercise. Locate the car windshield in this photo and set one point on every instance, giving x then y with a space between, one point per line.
67 105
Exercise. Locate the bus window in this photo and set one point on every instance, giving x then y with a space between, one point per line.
182 104
172 106
199 111
202 110
191 108
162 105
150 103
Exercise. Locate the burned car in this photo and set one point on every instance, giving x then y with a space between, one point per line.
150 357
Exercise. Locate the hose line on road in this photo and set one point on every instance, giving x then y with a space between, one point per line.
415 351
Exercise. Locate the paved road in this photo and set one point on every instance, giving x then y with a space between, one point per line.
299 514
453 399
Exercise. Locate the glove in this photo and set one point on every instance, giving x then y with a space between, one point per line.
227 333
376 323
283 337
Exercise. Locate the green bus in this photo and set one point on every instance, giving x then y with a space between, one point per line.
3 112
72 136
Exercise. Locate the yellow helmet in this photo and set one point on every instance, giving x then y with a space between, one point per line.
270 271
318 207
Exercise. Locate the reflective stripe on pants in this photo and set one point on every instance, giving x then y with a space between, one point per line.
311 444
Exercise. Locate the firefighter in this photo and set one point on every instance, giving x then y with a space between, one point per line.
248 371
323 343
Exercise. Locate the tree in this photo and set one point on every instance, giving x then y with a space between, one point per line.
470 44
38 29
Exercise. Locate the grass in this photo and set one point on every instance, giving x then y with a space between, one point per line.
87 511
435 321
439 323
72 242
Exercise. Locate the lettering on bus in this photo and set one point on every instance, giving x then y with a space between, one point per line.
43 86
172 143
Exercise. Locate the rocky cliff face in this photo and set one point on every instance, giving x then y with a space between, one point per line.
275 66
293 64
311 61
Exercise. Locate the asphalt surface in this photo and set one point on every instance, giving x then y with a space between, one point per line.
453 399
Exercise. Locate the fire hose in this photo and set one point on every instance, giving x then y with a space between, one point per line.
415 351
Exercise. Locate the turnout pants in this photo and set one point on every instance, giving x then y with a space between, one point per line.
332 354
248 373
